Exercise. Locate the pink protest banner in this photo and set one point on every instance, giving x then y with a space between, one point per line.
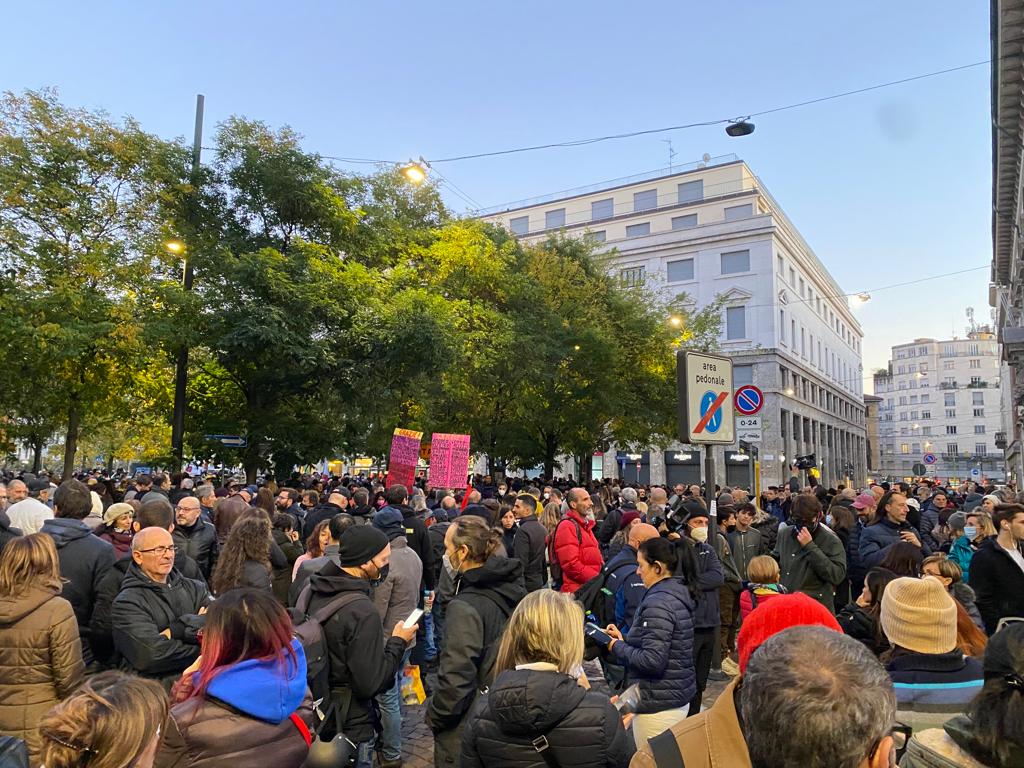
405 452
449 460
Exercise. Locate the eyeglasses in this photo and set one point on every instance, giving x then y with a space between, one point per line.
159 551
901 734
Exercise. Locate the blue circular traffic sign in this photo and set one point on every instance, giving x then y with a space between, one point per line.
707 401
748 399
930 458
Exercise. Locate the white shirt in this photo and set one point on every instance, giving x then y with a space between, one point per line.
1016 556
28 515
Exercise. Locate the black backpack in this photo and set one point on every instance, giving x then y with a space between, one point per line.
553 564
308 629
593 597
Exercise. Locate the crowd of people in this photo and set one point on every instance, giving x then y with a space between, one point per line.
180 621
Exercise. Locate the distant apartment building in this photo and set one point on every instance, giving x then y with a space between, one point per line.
871 406
941 399
712 229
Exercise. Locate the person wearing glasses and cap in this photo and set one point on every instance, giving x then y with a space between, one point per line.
158 613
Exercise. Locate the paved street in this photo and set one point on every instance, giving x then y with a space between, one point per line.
418 744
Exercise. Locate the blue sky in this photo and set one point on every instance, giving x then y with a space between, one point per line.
887 187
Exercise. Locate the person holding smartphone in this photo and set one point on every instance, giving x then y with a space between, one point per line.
658 651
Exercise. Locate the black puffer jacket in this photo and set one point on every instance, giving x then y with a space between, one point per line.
199 542
361 658
144 609
419 542
100 630
6 532
658 651
530 549
582 727
998 583
474 620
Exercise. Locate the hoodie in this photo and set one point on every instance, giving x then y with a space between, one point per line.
263 688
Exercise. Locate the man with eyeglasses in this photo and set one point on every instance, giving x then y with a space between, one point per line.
193 535
287 501
158 613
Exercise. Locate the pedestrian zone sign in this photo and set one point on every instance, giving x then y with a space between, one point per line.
704 384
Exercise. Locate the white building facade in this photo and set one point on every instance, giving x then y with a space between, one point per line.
942 398
713 230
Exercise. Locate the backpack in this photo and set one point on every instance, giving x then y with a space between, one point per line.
553 564
308 629
593 597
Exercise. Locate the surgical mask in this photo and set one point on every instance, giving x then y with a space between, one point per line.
700 534
970 532
828 520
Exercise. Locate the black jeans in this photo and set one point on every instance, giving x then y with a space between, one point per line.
703 649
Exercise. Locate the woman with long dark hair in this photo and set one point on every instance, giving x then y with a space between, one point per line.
245 558
244 701
903 559
316 543
860 619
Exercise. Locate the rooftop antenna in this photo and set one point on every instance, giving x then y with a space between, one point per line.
671 154
972 326
704 161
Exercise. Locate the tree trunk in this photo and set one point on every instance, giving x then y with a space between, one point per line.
585 468
71 440
550 448
37 454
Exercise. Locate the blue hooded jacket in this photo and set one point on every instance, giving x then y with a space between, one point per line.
257 688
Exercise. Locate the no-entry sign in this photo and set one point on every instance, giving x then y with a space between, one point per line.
749 399
704 384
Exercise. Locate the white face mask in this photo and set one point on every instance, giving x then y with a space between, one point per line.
700 534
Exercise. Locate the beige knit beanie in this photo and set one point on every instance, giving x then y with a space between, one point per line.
919 615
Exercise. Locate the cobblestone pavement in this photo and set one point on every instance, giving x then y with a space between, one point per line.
418 742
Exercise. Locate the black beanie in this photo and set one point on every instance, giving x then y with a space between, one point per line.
359 544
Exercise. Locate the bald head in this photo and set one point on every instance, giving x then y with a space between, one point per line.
640 533
153 552
659 496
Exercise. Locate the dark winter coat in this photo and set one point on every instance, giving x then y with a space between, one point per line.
858 624
307 568
199 542
929 525
323 511
40 659
244 719
855 570
931 688
84 559
121 541
6 532
435 534
658 651
281 578
610 525
624 587
100 630
998 582
582 727
876 539
710 576
769 528
576 550
145 608
528 548
475 618
815 569
419 542
362 659
746 545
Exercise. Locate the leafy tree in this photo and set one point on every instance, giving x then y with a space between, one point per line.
78 198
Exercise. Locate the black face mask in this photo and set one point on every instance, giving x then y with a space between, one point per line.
730 528
382 573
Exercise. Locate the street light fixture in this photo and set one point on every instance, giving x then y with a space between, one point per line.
739 128
174 246
415 171
675 321
789 392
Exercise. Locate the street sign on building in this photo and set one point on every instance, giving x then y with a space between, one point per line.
975 473
930 458
748 400
230 441
748 428
704 384
919 469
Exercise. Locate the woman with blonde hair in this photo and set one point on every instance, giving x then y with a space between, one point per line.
40 651
539 660
113 721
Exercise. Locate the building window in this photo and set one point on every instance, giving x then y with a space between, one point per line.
980 449
916 448
972 349
780 264
802 293
904 447
979 413
977 398
951 429
903 400
638 230
803 342
554 219
926 414
950 413
735 323
684 222
519 225
680 270
735 261
792 333
926 398
742 375
975 364
632 276
646 200
602 209
926 431
739 212
975 381
979 429
600 236
903 415
782 326
690 191
792 277
947 365
949 398
952 450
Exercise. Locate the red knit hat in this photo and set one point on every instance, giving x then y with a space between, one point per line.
777 614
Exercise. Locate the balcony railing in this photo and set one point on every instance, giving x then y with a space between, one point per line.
1001 440
947 385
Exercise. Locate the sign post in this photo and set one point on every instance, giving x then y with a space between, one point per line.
705 410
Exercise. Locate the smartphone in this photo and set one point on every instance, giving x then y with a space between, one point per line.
596 634
413 619
629 700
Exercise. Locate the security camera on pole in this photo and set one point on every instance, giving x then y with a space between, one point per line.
705 410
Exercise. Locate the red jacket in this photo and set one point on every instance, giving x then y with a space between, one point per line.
577 551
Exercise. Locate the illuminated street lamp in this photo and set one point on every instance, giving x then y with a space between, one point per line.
415 171
174 246
675 321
